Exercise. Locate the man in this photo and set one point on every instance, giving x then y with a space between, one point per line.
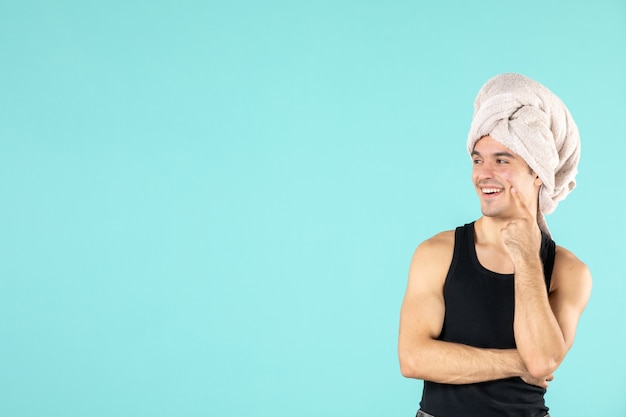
491 308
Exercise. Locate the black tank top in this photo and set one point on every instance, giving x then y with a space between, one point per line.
479 312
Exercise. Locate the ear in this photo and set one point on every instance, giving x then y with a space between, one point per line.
538 181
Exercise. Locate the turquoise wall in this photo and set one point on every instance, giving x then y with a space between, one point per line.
209 208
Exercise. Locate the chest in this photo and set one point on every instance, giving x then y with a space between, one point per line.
479 309
494 259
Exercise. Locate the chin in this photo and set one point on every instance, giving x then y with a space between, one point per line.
493 212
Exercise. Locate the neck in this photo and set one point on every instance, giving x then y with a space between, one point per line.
487 230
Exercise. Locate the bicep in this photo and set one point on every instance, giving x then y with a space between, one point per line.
421 316
423 308
570 295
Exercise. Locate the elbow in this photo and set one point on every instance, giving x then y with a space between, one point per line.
542 367
411 366
406 367
407 370
543 362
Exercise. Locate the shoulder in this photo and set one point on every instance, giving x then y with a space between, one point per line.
439 241
432 258
441 244
566 261
570 272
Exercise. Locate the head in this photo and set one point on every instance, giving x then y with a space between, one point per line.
534 125
496 171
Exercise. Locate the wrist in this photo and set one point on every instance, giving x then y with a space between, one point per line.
528 263
515 364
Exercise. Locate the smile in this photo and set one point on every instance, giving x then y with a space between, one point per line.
491 190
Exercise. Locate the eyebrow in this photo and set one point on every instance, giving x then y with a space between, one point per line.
497 154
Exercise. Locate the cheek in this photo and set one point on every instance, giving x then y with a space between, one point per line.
506 175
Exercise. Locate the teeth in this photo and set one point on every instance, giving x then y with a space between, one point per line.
490 190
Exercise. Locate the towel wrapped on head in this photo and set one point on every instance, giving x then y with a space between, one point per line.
533 122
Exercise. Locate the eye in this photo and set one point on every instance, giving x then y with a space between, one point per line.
476 161
502 161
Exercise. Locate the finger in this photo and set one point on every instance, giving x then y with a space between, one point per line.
518 200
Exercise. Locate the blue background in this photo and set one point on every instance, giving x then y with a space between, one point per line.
209 208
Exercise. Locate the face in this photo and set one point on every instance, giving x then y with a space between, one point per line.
495 170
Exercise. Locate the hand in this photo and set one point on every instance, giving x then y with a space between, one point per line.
540 382
521 236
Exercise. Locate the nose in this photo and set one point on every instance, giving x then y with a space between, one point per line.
484 170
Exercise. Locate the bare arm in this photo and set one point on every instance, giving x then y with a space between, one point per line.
544 326
421 355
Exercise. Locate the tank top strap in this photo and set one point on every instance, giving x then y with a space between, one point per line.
547 253
461 252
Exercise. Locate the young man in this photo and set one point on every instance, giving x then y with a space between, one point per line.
491 308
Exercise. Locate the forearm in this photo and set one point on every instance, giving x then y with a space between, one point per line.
538 337
452 363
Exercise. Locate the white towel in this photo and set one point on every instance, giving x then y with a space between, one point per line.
533 122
